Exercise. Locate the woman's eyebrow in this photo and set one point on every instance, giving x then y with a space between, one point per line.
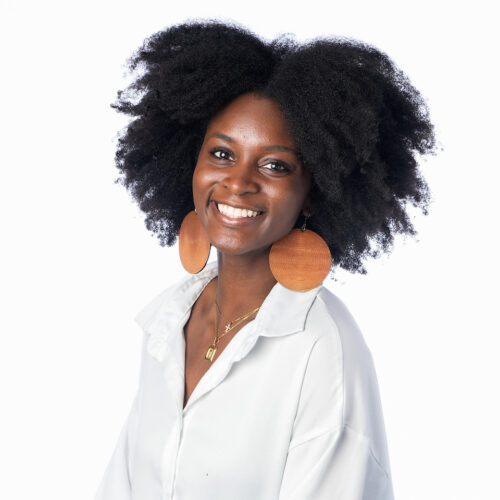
221 136
267 148
280 148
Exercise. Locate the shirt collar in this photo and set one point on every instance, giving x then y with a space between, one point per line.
283 311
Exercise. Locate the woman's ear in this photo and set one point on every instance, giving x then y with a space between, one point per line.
307 207
312 200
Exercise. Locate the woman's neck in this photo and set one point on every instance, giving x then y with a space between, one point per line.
243 282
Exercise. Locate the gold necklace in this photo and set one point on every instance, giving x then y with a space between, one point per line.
209 356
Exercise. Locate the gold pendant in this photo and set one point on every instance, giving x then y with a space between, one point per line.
210 353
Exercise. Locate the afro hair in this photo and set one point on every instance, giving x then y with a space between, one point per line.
358 123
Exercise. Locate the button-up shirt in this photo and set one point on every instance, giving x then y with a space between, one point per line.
289 410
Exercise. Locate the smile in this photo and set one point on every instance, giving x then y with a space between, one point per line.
233 215
236 213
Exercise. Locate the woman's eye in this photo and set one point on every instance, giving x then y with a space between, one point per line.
221 154
277 166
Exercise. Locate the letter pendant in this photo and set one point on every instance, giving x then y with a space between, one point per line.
211 353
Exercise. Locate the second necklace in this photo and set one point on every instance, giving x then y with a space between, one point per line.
209 356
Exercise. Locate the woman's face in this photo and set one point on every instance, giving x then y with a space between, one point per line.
248 160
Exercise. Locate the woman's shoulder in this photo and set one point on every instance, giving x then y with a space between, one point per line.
341 370
149 311
331 321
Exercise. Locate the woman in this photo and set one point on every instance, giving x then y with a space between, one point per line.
255 381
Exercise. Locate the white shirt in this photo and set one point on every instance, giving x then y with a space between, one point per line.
289 410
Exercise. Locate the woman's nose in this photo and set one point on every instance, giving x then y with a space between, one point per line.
240 178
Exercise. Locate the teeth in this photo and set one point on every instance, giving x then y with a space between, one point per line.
235 213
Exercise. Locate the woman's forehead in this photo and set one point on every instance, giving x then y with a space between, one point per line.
251 117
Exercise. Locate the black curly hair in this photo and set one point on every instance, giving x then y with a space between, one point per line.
358 123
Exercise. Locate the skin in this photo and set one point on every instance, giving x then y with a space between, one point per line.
248 159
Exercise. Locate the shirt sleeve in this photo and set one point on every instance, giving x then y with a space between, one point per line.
115 484
336 465
338 446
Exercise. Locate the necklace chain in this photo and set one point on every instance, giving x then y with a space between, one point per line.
229 326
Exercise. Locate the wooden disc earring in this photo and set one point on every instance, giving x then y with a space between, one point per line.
301 260
194 246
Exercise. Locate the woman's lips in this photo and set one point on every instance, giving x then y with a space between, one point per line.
240 221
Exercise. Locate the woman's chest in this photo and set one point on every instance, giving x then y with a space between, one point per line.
232 442
202 349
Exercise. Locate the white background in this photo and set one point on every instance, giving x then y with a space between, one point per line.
77 263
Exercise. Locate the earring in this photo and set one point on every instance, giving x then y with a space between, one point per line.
194 246
301 260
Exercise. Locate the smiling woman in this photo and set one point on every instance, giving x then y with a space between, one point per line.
256 382
248 161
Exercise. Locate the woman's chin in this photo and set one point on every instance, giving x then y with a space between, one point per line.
232 248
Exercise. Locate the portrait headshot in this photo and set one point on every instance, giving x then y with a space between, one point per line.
286 158
244 265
